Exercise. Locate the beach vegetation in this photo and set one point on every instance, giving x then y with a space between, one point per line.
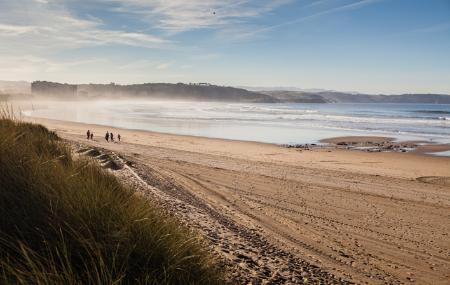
68 221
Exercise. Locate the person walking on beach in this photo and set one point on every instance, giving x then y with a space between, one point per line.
88 134
107 137
118 137
112 137
92 135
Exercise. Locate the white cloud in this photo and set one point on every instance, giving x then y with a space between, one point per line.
182 15
37 36
434 29
13 30
30 64
46 24
164 65
53 26
346 7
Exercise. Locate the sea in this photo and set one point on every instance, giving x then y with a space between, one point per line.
262 122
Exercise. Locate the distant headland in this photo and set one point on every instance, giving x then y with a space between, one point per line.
200 92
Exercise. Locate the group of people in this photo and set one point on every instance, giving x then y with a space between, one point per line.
108 136
90 135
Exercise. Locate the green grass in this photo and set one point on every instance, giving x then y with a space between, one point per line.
65 221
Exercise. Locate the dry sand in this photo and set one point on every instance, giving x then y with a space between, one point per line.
281 216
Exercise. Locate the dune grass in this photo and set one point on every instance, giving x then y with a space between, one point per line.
65 221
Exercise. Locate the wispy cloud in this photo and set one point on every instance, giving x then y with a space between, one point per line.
164 65
434 28
14 30
317 3
47 25
34 32
31 64
342 8
181 15
146 65
51 24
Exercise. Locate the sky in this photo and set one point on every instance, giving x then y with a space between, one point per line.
369 46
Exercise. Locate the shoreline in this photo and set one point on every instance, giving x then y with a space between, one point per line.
280 133
362 216
386 144
351 142
330 157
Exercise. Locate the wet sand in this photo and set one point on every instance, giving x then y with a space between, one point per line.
385 144
286 215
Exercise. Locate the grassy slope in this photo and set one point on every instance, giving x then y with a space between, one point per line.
69 222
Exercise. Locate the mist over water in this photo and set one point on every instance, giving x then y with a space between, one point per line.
271 123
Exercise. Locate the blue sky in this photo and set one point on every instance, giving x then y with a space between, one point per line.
371 46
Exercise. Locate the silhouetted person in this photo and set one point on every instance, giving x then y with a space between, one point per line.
118 137
92 135
107 137
112 137
88 134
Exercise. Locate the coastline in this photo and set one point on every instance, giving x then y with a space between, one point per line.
362 216
261 123
413 164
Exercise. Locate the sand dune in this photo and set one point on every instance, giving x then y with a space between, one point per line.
287 215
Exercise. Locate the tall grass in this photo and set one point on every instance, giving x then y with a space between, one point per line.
65 221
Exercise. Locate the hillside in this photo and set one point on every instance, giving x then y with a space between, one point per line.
203 92
342 97
179 91
296 97
154 91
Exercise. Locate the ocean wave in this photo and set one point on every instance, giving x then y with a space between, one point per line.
258 110
443 112
283 118
298 117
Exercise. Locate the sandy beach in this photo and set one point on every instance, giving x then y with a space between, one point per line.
281 215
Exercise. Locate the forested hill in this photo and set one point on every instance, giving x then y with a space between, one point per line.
207 92
155 91
343 97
